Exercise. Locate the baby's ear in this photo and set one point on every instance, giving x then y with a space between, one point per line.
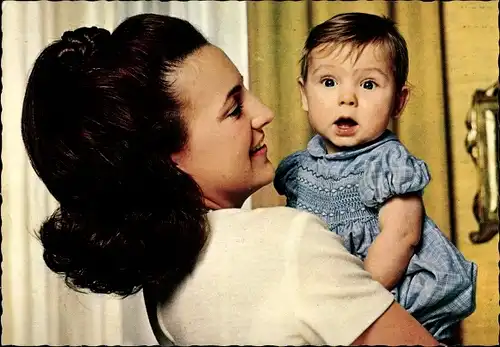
401 101
303 97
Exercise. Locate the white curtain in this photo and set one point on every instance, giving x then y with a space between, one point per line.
37 307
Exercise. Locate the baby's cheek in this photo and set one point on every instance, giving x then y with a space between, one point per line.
383 108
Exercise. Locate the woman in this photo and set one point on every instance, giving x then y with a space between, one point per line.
151 143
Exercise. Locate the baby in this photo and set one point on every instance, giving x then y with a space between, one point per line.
362 181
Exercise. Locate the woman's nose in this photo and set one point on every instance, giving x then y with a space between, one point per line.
261 114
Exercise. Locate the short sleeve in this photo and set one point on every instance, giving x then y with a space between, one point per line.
393 171
336 299
285 180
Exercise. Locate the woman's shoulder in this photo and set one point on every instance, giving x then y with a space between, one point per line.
273 223
278 215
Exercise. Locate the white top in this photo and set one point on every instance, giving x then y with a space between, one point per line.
273 276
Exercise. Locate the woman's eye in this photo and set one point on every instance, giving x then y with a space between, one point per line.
236 112
329 82
369 85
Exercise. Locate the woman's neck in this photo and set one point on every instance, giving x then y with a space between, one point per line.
211 205
218 204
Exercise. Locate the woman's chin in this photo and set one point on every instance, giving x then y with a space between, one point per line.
264 177
269 176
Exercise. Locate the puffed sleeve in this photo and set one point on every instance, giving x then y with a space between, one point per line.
336 300
285 180
393 171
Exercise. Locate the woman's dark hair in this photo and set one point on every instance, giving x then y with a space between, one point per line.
100 120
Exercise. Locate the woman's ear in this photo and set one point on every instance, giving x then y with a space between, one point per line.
401 101
303 97
178 159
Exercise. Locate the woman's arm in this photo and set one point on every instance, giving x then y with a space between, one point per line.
396 327
335 301
400 221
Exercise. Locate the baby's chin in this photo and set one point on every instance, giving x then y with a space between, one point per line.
336 145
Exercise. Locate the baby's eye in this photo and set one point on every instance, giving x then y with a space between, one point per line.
369 85
329 82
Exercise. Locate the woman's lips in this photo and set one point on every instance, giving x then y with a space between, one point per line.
259 151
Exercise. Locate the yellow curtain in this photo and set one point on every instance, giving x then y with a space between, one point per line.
276 33
439 36
422 126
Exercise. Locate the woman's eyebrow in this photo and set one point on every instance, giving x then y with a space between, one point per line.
234 91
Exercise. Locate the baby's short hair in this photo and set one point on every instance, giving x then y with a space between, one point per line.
359 30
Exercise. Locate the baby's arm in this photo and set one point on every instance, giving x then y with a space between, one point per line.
400 220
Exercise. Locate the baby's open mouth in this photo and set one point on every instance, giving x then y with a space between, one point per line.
345 122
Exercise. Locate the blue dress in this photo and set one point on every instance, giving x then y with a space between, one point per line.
347 189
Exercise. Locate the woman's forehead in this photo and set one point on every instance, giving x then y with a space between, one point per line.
206 76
